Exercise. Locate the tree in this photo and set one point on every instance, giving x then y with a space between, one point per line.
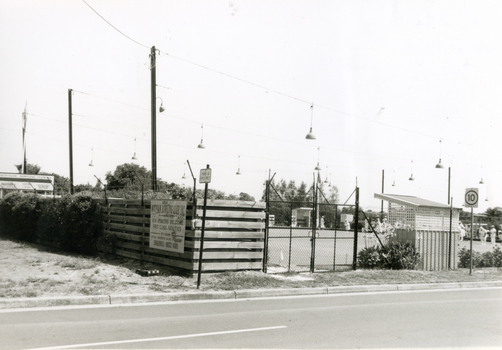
245 197
61 183
30 168
128 174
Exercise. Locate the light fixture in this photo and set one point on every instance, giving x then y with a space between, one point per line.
161 108
411 177
326 181
310 135
439 165
134 155
90 164
184 171
201 144
481 181
239 168
318 167
394 180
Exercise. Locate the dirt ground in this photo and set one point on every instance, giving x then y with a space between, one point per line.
32 270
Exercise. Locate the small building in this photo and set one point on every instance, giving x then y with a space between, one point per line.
303 217
426 224
42 184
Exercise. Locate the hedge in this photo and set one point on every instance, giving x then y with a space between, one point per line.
72 223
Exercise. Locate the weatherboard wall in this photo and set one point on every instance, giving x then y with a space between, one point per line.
233 238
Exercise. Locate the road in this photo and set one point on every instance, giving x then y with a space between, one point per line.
419 319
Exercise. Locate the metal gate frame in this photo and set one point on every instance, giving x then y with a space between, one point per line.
315 205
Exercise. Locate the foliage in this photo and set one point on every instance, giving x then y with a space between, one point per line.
369 258
129 174
30 168
19 214
393 256
486 259
72 223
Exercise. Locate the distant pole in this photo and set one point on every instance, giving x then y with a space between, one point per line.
356 221
70 91
449 176
383 187
154 117
24 139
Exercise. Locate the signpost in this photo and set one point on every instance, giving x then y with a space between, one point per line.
471 200
204 178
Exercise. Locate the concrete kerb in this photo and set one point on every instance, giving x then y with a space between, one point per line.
14 303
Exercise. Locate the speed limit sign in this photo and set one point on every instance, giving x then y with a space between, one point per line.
471 197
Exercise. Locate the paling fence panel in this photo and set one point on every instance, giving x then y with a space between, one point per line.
233 239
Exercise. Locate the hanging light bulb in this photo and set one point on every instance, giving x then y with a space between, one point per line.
310 135
184 171
134 155
411 177
439 165
318 167
326 181
201 144
161 108
90 164
481 181
239 168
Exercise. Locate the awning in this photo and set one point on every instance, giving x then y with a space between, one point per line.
23 186
7 185
42 186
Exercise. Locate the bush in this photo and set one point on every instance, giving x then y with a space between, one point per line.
81 223
487 259
19 214
393 255
369 258
72 223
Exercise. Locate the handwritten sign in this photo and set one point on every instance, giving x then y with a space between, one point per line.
167 225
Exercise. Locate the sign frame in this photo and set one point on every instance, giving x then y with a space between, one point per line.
471 197
168 225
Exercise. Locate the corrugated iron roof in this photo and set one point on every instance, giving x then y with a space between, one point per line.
411 201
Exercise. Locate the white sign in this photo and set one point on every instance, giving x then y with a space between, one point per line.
471 197
167 225
205 176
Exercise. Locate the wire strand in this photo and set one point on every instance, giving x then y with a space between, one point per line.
111 25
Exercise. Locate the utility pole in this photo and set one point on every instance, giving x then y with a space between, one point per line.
154 117
70 91
24 140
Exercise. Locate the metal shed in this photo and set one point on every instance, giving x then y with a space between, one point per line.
430 226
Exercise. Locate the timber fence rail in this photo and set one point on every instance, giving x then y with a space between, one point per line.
233 236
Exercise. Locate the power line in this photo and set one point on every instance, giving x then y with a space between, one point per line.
111 25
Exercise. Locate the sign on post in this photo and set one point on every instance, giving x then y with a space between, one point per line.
471 197
167 225
205 176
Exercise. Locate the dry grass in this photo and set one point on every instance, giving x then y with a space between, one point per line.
30 270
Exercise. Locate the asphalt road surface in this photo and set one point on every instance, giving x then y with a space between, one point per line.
420 319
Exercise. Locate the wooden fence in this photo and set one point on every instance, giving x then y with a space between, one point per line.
234 235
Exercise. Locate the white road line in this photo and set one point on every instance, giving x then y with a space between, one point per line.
160 338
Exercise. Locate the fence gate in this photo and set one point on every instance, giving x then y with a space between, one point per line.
309 236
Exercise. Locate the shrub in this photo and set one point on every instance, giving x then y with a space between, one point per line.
399 255
487 259
369 258
393 255
19 213
81 223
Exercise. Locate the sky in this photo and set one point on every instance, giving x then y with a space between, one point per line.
388 87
